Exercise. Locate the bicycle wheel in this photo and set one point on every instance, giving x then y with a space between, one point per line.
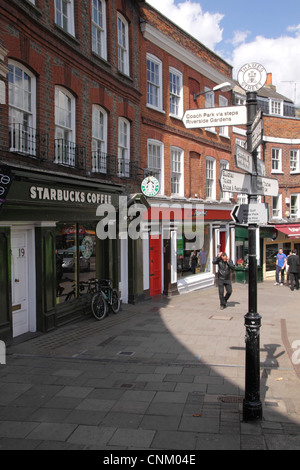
99 306
115 301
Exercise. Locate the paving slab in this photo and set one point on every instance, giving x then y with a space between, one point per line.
164 374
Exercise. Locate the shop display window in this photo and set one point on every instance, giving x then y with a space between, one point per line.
193 261
75 259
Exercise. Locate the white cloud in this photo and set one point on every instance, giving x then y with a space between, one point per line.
239 37
279 56
203 26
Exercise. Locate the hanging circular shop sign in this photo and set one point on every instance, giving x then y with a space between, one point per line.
252 76
150 186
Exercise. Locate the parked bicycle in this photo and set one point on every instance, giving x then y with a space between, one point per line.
91 286
106 297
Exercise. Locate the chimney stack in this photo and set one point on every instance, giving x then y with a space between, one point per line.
269 83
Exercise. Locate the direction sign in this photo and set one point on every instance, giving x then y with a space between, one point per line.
267 186
257 135
214 117
243 159
245 214
234 182
261 169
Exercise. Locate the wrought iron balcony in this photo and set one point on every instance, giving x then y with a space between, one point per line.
26 140
101 162
69 154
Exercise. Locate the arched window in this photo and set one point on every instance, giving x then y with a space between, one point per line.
124 148
22 109
65 147
99 140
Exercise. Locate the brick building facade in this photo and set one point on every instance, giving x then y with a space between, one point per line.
186 162
70 128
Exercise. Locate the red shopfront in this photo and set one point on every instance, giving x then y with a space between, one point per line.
172 229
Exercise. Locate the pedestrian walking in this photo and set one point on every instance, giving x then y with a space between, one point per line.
293 263
224 282
193 261
281 260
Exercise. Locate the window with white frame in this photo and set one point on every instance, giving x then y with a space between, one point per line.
176 96
22 109
242 199
224 165
210 178
124 148
123 45
294 161
276 160
177 171
223 102
154 82
241 143
155 161
99 140
276 107
277 207
209 103
295 206
98 14
65 147
64 15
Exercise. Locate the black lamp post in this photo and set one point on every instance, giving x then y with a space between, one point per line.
252 406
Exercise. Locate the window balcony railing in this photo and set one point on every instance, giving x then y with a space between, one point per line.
101 162
26 140
69 154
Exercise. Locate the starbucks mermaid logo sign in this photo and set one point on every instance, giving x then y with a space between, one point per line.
150 186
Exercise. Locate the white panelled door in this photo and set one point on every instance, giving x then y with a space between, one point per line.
21 260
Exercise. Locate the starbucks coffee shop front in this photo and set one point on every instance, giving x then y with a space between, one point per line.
49 248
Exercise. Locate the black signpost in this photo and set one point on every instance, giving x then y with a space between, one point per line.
252 406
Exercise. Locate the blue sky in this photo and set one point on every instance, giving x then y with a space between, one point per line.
264 31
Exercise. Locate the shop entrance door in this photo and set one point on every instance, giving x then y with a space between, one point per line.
223 242
155 265
22 261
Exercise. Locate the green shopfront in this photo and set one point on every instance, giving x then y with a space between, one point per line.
49 249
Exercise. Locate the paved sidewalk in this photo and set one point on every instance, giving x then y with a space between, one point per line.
165 374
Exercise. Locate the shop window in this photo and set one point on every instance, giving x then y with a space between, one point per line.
189 261
75 259
271 252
